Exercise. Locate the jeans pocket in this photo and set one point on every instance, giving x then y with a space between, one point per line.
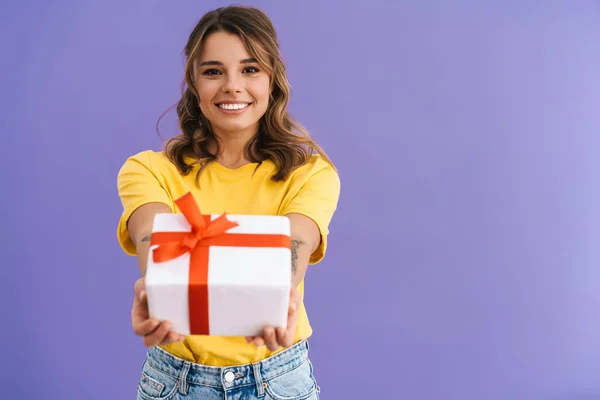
156 385
297 384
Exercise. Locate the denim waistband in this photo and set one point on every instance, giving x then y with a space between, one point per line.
249 374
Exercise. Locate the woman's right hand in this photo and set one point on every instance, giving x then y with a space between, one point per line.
153 332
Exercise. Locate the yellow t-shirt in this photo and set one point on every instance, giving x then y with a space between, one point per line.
312 190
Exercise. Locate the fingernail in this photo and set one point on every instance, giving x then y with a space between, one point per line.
142 294
155 323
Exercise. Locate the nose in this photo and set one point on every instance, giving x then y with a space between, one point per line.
232 84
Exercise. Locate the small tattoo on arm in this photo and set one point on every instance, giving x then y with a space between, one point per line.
147 238
294 247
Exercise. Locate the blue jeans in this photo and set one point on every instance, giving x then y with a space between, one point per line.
285 376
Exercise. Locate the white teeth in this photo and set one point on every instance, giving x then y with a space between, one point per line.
233 106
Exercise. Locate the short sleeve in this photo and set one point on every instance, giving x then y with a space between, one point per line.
317 199
137 185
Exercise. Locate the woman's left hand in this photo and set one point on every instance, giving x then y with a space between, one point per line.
280 337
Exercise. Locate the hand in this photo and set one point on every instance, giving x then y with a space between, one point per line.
154 332
280 337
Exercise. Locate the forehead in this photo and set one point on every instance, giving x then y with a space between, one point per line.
224 47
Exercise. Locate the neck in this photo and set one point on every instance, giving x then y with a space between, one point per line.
232 148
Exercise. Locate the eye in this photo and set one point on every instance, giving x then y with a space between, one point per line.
211 72
251 70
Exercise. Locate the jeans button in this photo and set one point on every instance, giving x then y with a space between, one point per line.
229 377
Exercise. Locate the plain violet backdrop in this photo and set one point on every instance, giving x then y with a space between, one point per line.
464 256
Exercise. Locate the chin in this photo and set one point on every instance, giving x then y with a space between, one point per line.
234 128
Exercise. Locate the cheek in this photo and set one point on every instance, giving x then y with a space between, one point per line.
261 94
206 92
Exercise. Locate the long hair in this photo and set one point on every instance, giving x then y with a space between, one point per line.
280 138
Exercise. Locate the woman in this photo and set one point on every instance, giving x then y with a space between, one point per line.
239 152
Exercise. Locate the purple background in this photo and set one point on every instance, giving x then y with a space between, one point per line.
464 257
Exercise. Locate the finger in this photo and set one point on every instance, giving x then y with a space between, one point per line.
271 339
285 337
171 337
139 311
139 286
259 341
293 308
281 333
158 335
288 339
145 327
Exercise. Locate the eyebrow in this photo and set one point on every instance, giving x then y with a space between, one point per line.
244 61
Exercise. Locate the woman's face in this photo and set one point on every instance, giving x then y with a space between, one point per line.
233 88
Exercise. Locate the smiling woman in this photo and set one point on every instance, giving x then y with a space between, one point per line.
233 57
240 152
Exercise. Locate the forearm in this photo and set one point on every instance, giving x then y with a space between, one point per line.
140 230
301 252
305 239
142 248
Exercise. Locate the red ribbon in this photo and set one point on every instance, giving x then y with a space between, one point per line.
204 233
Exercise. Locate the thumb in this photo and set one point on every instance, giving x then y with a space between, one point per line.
294 303
139 287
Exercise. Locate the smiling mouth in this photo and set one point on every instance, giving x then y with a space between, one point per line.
233 107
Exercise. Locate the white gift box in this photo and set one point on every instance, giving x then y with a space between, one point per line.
247 287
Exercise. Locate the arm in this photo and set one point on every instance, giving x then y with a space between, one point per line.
305 238
143 196
139 227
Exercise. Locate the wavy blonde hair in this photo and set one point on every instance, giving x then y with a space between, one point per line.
280 138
